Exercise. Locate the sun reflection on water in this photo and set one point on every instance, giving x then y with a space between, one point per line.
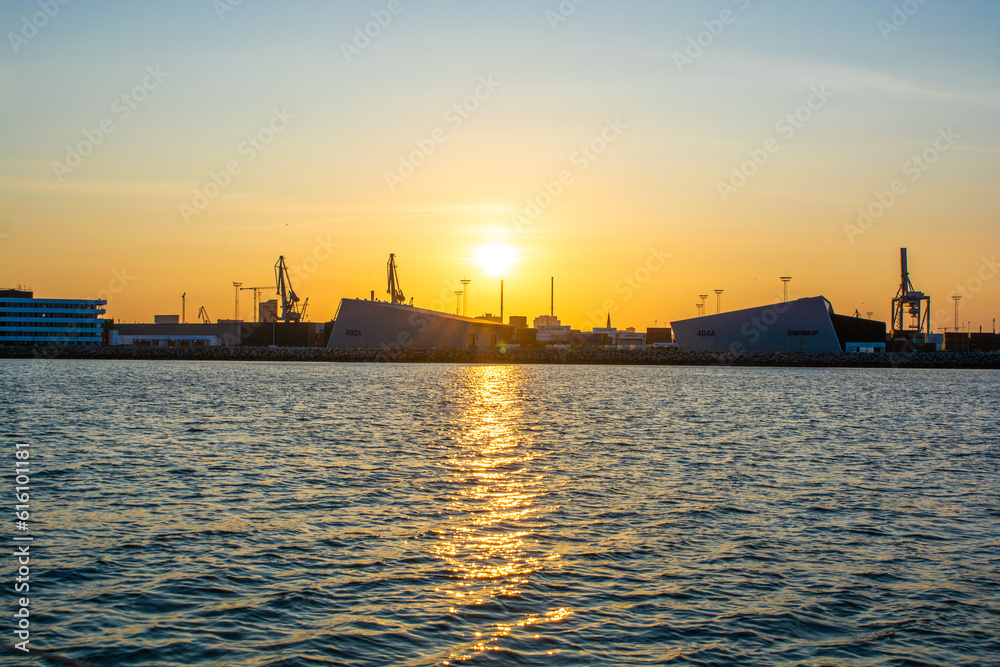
496 488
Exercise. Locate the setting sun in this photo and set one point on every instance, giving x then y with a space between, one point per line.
495 258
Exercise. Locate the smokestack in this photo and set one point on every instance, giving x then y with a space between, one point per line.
501 302
552 298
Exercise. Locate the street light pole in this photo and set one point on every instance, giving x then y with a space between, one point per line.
785 280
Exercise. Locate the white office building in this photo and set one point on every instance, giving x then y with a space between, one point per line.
25 320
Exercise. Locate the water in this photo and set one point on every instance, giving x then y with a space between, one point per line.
199 513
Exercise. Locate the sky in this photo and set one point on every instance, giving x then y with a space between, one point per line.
641 153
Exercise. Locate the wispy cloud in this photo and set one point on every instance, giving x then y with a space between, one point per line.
846 78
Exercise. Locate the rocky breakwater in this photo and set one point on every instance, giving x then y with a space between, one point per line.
643 356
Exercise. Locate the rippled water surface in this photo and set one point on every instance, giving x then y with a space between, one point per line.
199 513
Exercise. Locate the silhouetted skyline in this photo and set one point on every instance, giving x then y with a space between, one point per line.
641 152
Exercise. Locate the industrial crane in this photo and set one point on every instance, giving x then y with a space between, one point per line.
302 313
283 284
256 297
396 294
203 315
908 301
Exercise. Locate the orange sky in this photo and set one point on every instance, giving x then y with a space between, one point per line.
653 179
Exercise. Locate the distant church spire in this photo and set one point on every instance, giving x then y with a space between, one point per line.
609 320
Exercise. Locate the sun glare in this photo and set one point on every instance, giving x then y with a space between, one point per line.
495 258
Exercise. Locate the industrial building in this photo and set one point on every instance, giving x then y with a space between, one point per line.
225 333
659 336
175 335
629 338
964 341
268 311
802 325
394 326
25 320
548 329
285 334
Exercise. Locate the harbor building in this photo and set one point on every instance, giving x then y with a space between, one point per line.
549 330
629 338
25 320
659 336
395 326
802 325
224 333
268 311
175 334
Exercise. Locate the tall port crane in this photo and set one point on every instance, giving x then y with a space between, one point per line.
305 305
256 298
396 294
203 315
283 284
908 301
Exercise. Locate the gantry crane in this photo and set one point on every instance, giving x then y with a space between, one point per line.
908 301
203 315
283 284
256 299
394 291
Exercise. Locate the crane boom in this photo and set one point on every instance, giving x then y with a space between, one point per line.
283 285
395 292
256 297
